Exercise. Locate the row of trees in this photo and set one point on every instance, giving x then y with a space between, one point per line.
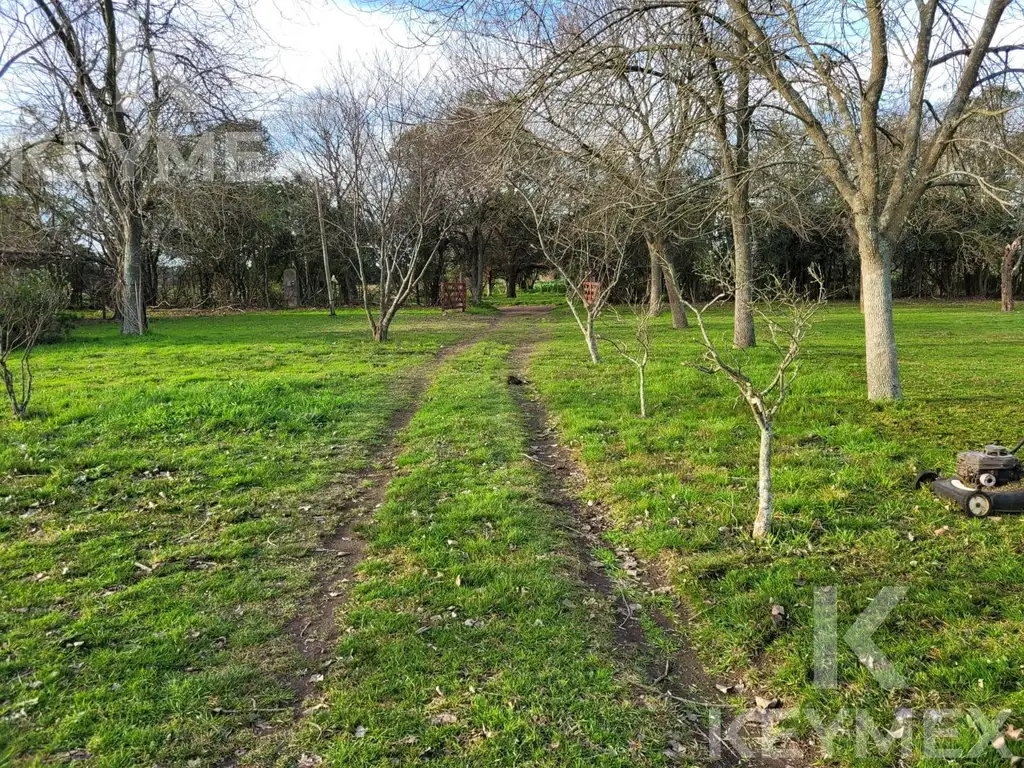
882 120
619 145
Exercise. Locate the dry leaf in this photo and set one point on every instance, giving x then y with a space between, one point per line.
765 703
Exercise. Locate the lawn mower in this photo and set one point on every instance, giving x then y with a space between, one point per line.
989 480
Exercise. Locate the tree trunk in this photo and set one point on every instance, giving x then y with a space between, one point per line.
743 336
323 246
591 334
919 276
18 409
674 302
510 285
353 286
883 370
659 254
476 272
132 299
654 289
1006 281
763 521
643 395
150 276
380 330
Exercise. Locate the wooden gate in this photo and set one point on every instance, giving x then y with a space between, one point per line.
453 295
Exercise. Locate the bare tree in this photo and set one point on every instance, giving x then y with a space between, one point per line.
399 156
637 352
730 114
582 229
786 315
322 226
108 74
29 302
626 97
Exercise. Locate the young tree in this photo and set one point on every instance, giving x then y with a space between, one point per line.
582 228
29 302
786 315
638 352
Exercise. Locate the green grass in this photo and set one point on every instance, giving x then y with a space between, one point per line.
158 514
682 485
542 293
471 639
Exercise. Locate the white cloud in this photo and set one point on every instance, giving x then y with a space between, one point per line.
307 38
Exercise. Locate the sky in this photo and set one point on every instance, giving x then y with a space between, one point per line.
309 36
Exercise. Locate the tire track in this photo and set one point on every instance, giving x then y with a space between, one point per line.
679 676
313 630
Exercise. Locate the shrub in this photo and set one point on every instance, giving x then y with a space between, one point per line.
29 303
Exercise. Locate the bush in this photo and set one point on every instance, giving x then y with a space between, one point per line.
30 301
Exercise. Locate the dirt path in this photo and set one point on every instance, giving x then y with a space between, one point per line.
679 676
314 630
353 499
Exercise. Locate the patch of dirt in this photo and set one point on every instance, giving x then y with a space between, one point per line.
681 676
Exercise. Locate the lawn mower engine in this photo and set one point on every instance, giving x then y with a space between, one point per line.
990 467
987 480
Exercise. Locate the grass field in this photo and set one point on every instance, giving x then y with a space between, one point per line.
160 516
682 490
472 640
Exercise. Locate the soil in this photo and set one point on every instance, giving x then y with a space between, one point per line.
314 629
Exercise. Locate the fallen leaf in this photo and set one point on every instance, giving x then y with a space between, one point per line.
766 703
731 688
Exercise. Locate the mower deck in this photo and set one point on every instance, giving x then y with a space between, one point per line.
1005 498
